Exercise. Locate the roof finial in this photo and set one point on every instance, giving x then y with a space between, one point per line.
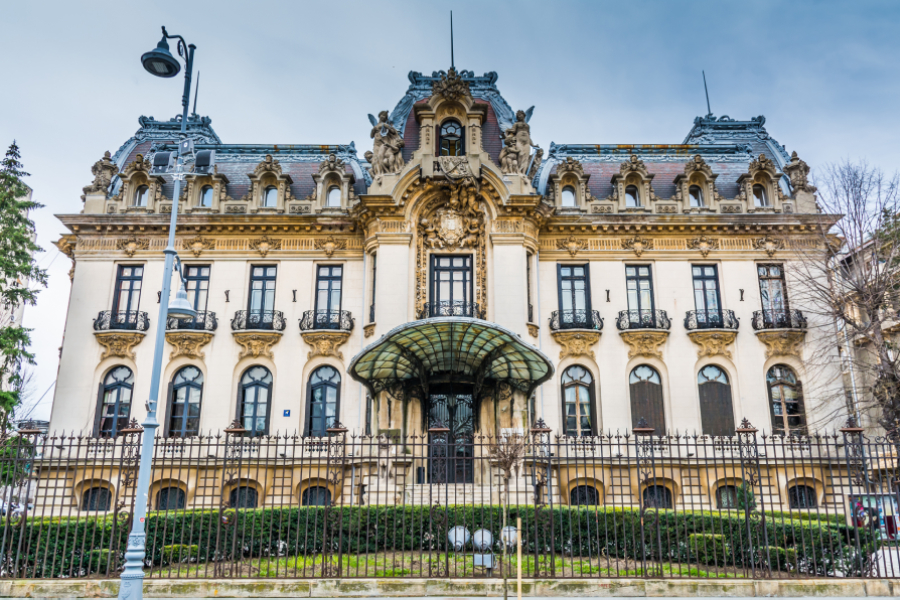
196 91
452 62
705 89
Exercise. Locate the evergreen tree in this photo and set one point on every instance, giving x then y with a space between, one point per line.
20 277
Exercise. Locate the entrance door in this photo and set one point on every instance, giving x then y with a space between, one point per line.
451 286
450 454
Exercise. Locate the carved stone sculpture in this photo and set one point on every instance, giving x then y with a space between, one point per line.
517 153
103 170
576 343
713 343
264 244
188 343
257 343
451 86
325 343
198 244
644 343
330 244
704 244
386 155
132 245
118 343
385 460
331 164
769 245
782 342
572 244
637 244
798 171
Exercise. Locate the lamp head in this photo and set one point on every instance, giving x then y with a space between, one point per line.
181 308
160 61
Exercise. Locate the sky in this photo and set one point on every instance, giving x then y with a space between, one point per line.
826 75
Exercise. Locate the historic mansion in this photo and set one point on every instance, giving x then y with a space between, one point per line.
455 274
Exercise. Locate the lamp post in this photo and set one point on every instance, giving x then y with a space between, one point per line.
161 63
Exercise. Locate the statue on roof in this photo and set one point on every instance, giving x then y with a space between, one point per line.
386 155
517 154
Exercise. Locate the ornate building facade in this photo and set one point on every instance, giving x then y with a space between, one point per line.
456 276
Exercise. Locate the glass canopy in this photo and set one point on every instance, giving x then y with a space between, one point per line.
469 348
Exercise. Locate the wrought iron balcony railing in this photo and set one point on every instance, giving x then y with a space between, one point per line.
447 308
132 320
711 319
575 319
204 321
258 319
338 320
643 319
778 319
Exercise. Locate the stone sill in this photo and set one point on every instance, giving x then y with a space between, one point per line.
394 588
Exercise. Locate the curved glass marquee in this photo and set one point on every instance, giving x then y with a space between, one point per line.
470 348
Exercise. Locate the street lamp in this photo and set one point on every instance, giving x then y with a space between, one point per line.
161 63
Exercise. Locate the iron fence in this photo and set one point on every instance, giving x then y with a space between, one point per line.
611 506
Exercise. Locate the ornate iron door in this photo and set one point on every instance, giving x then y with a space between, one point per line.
451 453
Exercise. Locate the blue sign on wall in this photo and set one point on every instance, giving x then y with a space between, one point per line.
287 413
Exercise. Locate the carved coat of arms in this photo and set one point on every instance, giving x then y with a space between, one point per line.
450 226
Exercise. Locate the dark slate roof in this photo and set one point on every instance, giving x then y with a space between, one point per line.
726 145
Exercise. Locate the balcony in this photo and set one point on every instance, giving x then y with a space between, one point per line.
446 308
781 331
643 319
575 319
336 320
257 331
711 319
188 336
712 330
120 331
645 331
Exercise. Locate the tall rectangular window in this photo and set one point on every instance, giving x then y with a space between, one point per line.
773 294
451 286
374 281
197 283
528 258
128 289
328 294
574 295
639 287
262 291
706 295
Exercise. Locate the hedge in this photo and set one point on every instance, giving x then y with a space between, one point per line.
55 547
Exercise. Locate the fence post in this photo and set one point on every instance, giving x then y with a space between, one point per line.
233 435
336 453
643 445
130 460
749 449
858 474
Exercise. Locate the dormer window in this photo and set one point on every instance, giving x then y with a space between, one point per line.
759 195
334 197
696 194
567 198
632 198
451 140
206 196
142 196
270 197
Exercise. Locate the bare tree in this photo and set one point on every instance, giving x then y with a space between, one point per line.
849 284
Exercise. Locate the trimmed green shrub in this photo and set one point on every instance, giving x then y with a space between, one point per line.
710 548
179 553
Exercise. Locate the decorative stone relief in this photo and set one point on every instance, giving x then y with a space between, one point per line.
198 244
644 343
369 330
451 86
104 170
769 244
637 244
386 155
731 208
188 343
798 172
576 343
713 343
785 342
265 244
516 155
704 244
326 343
533 330
329 245
257 343
235 208
132 245
118 343
572 244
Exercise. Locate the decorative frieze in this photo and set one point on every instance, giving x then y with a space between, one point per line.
326 343
572 244
118 343
132 245
644 343
713 343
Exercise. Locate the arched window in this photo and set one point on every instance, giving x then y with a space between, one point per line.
802 496
115 402
333 199
451 140
786 401
270 197
657 496
632 198
206 196
142 196
567 197
315 496
184 402
726 497
577 394
243 496
96 499
647 398
716 412
760 198
696 195
256 396
584 495
323 404
170 498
